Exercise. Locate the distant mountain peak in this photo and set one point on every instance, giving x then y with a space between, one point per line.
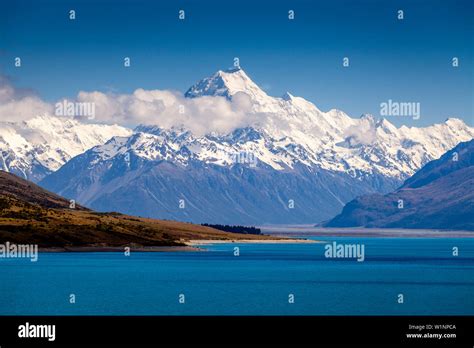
226 84
455 122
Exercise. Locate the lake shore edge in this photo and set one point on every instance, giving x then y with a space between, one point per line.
282 240
191 245
302 231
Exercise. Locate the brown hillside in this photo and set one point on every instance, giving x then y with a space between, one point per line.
24 190
29 214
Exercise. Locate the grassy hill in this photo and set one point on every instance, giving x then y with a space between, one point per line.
30 214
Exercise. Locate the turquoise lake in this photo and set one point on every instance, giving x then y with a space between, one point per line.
258 282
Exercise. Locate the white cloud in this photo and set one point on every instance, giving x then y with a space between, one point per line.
363 133
167 109
150 107
19 104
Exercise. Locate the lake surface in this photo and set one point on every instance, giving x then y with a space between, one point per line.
258 282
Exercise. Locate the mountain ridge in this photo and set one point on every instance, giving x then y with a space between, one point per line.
438 196
41 145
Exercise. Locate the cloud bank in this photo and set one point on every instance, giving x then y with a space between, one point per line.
20 104
167 109
162 108
364 133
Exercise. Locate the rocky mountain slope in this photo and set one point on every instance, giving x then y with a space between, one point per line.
439 196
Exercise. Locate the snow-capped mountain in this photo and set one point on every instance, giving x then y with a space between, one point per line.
291 163
32 149
291 130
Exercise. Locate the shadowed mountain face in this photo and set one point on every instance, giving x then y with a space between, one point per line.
459 158
30 214
208 193
439 196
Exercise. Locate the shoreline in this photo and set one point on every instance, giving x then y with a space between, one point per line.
312 231
276 234
191 245
283 240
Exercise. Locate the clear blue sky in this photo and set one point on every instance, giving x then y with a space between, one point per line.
407 60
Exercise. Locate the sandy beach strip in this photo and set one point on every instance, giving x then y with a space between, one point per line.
191 245
250 241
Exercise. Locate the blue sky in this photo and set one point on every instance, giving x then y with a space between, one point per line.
408 60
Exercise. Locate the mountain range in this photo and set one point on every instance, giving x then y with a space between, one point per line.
289 163
438 196
37 147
